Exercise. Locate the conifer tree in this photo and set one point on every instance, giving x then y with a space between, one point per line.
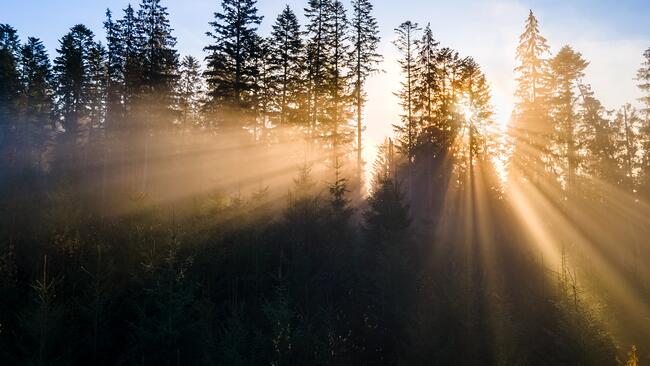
73 80
426 83
336 128
231 69
97 73
566 70
114 70
318 29
643 77
287 69
407 46
9 82
190 92
160 59
479 108
531 127
36 104
365 59
128 47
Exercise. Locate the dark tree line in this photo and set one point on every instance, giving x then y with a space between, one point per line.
157 211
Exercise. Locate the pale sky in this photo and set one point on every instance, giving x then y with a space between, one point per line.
612 35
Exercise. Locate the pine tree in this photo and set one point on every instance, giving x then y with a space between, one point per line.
9 84
336 128
231 69
479 108
190 93
160 59
128 47
114 71
317 32
287 69
36 104
426 84
407 46
365 59
566 70
531 127
530 52
72 80
643 76
97 73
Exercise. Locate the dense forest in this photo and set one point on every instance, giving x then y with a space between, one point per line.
159 209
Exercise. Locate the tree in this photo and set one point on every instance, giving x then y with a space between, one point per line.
365 43
287 68
407 132
317 31
479 111
73 81
190 92
531 127
97 74
9 83
643 76
36 101
335 127
231 68
129 54
160 60
566 69
114 70
426 82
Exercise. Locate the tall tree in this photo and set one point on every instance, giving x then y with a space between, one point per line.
129 48
73 81
643 76
190 92
36 105
479 109
287 68
160 58
426 83
114 70
531 127
231 69
336 128
406 43
566 70
9 83
318 28
365 43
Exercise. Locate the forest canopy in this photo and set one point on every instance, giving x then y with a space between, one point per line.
168 209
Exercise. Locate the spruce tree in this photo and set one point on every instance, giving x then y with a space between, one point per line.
231 68
72 80
128 47
336 128
407 46
114 70
426 84
566 70
287 69
365 60
318 28
531 127
190 93
160 59
479 108
36 104
9 83
643 77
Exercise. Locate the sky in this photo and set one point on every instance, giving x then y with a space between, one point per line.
611 35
